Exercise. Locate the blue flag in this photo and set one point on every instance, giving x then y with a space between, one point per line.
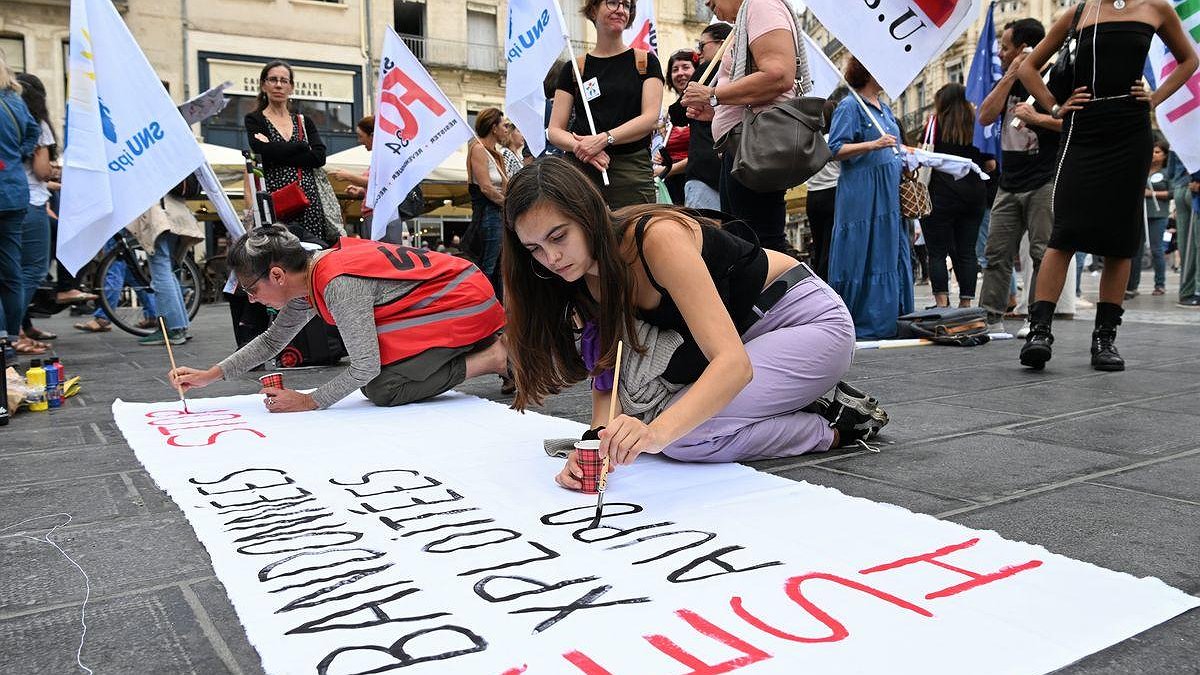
985 73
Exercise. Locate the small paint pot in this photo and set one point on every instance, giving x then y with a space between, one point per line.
590 463
272 380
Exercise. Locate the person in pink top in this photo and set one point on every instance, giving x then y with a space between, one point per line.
758 69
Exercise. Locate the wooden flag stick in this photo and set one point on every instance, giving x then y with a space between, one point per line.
171 355
716 60
612 411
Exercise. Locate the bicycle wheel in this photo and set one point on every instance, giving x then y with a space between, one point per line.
125 294
192 285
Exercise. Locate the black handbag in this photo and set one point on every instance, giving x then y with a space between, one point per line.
1062 74
965 327
781 146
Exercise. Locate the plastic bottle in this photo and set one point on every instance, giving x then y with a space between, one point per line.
35 381
62 377
3 388
53 390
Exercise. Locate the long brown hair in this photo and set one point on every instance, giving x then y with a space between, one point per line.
955 116
542 308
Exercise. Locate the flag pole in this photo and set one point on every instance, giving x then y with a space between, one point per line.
861 102
587 108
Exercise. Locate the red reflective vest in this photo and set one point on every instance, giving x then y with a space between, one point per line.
453 306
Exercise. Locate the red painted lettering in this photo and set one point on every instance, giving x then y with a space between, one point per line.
750 653
584 663
212 439
976 579
837 631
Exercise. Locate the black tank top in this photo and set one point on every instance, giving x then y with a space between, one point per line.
1120 50
738 269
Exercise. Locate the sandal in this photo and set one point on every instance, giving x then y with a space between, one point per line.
94 325
146 322
41 335
27 348
74 297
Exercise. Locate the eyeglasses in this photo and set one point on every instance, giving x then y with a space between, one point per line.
278 80
702 44
250 288
614 5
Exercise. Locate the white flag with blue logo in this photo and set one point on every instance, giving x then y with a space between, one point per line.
127 144
416 129
535 41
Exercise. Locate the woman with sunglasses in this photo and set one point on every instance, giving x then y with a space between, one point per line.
624 88
414 322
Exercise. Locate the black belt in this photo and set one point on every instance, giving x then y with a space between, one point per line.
771 294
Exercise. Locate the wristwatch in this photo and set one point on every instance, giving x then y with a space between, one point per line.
712 98
611 140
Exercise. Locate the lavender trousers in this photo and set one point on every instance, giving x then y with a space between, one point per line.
799 350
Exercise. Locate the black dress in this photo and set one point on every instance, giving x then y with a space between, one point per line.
286 159
1106 149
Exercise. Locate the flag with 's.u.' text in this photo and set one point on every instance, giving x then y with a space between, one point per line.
127 144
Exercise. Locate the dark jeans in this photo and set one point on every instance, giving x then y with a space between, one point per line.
820 222
12 288
953 230
764 212
490 234
35 252
1156 226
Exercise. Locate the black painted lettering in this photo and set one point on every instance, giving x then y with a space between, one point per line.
398 655
504 533
547 554
714 558
584 602
704 539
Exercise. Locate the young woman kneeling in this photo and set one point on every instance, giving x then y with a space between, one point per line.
414 322
731 346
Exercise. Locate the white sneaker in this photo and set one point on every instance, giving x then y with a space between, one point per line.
1024 332
1080 303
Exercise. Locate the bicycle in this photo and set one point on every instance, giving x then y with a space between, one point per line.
131 306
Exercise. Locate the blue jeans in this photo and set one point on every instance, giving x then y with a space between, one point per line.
12 289
118 276
981 241
698 195
1080 257
35 252
490 233
167 293
1158 250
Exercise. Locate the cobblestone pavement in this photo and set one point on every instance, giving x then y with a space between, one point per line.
1103 467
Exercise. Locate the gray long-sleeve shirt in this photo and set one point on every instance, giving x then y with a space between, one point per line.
352 303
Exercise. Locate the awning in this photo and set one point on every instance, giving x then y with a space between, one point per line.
447 182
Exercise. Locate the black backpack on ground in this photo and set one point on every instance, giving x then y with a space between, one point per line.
966 327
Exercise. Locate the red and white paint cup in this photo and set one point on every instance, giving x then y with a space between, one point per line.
590 463
272 380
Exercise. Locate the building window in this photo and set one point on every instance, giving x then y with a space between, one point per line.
483 52
920 89
954 72
14 52
410 24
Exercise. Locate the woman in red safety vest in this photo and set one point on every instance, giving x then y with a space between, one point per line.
414 322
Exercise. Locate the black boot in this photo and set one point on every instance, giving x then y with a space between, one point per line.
1104 337
1036 351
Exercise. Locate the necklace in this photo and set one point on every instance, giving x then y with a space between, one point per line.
1119 5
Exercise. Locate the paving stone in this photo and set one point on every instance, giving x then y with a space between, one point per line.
1187 404
154 632
1043 399
87 500
1167 648
1128 432
24 437
858 486
215 601
918 421
1177 478
121 556
1091 523
59 464
979 467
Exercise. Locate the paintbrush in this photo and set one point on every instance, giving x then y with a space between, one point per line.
171 355
612 411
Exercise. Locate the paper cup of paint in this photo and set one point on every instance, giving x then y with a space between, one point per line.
590 462
272 380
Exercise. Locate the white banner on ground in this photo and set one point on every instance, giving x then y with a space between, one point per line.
416 129
643 34
1179 116
127 144
825 76
896 39
534 43
431 537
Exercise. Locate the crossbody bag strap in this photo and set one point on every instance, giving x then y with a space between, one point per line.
13 117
